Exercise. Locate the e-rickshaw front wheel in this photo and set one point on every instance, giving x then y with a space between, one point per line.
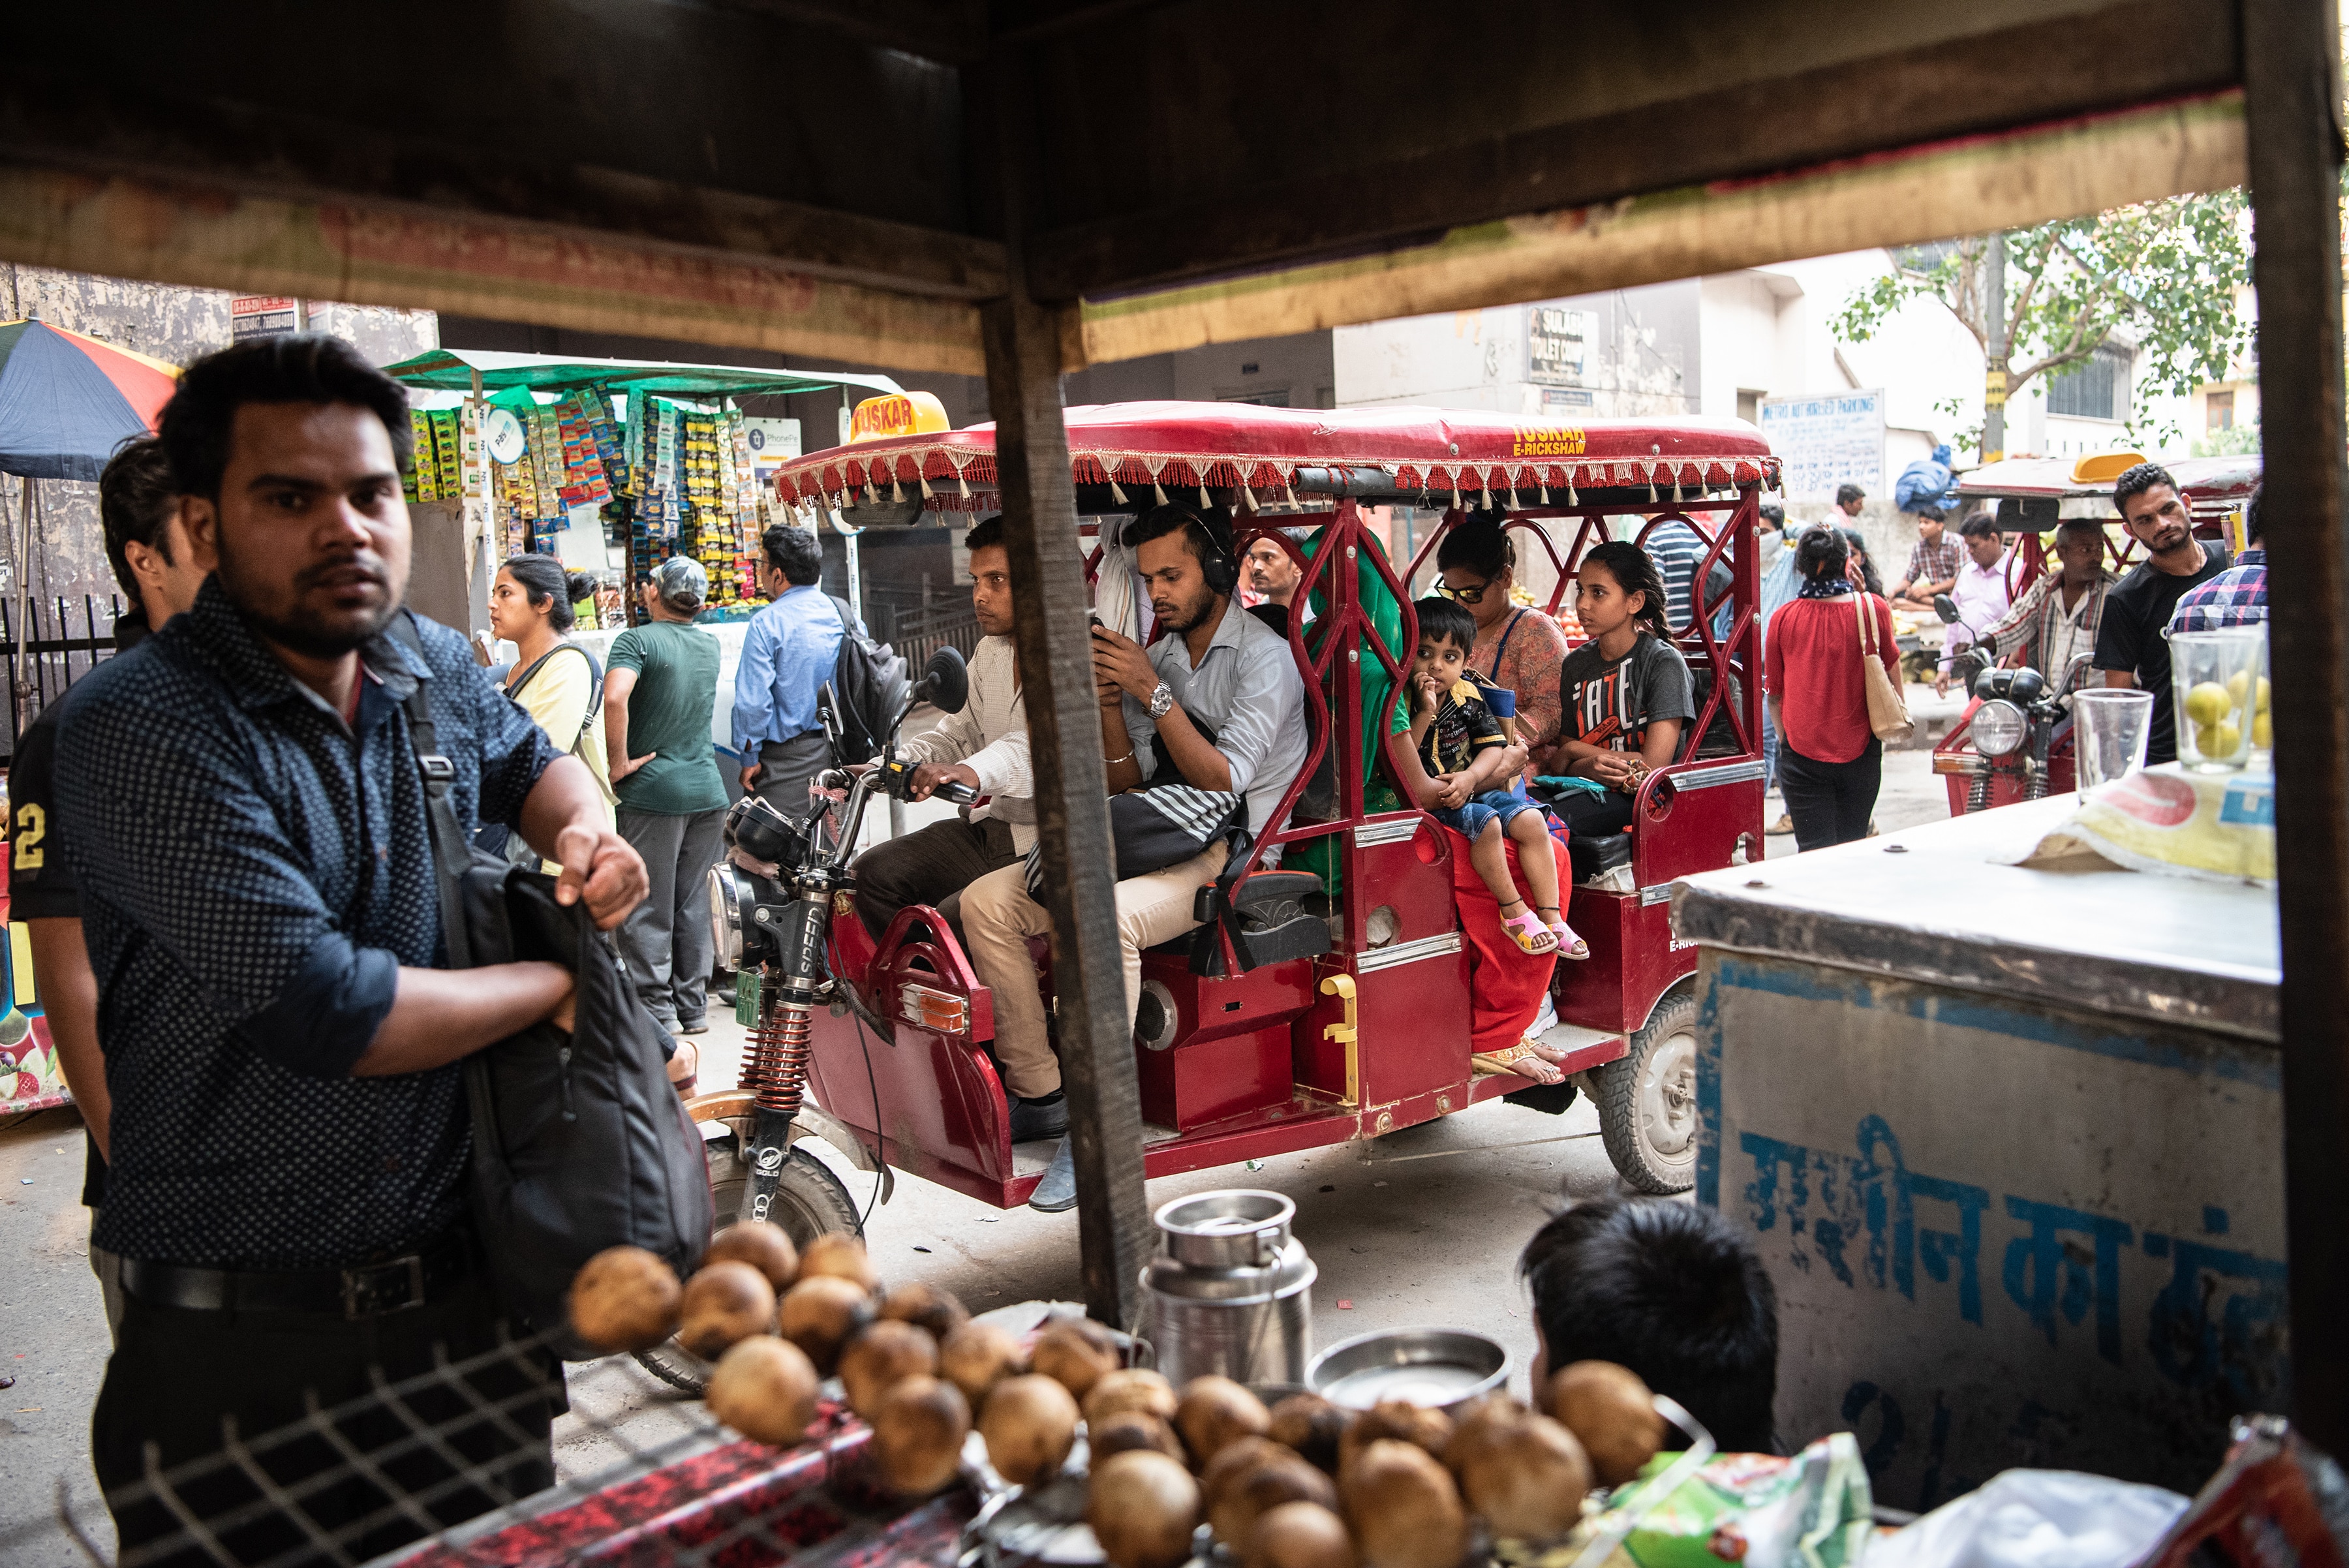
808 1201
1647 1099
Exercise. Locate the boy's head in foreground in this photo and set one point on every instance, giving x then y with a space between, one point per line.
1673 1293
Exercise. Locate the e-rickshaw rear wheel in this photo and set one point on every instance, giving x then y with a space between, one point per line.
1647 1099
808 1201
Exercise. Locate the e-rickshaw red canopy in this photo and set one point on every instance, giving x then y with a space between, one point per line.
1437 452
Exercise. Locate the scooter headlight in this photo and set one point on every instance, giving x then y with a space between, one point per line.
1998 728
730 906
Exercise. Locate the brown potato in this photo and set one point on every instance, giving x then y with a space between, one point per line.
880 1357
765 1247
1400 1420
1312 1426
1239 1454
724 1302
1075 1353
979 1356
1214 1411
918 1427
1483 1427
1029 1423
1134 1429
1405 1512
1143 1506
820 1314
841 1255
1298 1535
1612 1413
1129 1388
1527 1476
927 1307
1234 1506
764 1389
624 1298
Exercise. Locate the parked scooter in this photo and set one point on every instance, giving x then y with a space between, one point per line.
2013 725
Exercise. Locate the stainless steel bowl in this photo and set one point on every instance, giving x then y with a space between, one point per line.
1440 1367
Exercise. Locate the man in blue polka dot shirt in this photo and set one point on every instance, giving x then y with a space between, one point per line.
242 807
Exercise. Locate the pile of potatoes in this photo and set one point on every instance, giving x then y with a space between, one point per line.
1303 1484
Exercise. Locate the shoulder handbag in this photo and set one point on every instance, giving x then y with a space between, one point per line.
1888 708
579 1141
1162 825
495 837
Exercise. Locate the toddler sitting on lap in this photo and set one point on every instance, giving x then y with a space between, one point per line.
1461 746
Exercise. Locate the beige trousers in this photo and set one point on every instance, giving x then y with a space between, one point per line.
998 919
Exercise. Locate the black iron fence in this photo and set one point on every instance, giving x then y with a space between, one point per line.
62 646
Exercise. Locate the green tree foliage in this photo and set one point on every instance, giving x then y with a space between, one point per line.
2168 270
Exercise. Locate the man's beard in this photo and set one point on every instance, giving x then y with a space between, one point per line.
1182 618
301 630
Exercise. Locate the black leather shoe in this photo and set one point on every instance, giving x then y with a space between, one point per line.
1032 1119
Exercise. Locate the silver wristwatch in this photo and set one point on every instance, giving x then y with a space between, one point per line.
1162 700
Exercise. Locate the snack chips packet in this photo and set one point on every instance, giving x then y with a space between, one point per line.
1813 1510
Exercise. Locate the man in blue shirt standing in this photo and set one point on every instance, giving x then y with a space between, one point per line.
244 812
787 655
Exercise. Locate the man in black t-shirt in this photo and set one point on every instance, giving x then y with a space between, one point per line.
160 575
2130 648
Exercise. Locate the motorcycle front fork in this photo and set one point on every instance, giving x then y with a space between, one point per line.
775 1063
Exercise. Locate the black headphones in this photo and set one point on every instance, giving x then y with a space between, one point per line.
1217 566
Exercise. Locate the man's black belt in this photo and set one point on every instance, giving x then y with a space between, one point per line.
362 1291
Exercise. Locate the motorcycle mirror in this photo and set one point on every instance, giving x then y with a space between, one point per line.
1946 608
946 680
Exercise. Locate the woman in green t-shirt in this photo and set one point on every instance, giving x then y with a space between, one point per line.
659 698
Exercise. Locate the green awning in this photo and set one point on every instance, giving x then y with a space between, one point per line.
452 369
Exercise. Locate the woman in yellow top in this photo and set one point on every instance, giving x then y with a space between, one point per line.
555 680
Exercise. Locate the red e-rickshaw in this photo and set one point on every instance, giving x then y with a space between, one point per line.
1327 999
1989 764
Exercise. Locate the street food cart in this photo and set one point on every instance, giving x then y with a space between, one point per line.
2010 1144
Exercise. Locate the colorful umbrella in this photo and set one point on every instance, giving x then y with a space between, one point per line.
67 401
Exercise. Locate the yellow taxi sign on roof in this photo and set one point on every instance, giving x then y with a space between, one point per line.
2098 467
897 414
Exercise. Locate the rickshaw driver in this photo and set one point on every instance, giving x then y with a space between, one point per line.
1217 697
2056 617
984 746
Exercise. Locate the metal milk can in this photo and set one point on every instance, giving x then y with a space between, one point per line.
1231 1291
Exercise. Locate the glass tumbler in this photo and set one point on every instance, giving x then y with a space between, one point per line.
2221 695
2109 729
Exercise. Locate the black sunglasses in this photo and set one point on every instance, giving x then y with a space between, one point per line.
1462 596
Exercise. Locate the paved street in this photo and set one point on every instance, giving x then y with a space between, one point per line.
1420 1226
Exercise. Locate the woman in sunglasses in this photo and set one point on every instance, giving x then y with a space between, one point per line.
1519 648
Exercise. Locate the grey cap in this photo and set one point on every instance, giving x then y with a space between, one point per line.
682 583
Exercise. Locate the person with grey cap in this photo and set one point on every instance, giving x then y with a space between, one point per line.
659 699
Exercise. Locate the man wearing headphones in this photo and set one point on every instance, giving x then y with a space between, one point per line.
1216 698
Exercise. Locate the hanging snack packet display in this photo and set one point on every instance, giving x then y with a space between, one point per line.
420 482
446 479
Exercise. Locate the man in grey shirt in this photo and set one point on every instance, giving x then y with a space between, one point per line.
1217 698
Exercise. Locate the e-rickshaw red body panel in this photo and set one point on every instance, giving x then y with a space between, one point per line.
1372 1034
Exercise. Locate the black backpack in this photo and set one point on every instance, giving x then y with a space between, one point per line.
580 1142
868 684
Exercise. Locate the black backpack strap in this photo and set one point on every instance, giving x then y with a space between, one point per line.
595 680
447 838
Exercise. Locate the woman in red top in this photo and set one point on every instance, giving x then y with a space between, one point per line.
1830 762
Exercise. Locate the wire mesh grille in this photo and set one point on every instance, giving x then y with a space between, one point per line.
445 1469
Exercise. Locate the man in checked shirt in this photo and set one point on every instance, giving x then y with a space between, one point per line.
2055 618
